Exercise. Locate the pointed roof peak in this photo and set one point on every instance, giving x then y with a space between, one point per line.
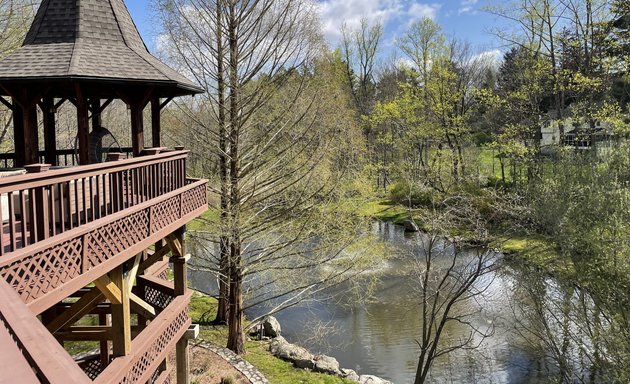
95 39
65 21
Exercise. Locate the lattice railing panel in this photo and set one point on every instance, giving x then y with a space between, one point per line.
113 238
193 199
40 273
37 272
164 213
157 299
92 366
144 362
152 346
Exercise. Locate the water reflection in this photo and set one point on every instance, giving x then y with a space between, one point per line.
379 337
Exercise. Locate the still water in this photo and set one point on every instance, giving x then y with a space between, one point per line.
378 336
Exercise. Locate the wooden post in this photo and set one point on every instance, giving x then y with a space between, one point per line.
121 316
95 107
137 127
30 134
50 139
155 121
103 320
83 127
18 135
41 204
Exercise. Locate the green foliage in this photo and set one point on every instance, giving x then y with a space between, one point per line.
583 205
413 195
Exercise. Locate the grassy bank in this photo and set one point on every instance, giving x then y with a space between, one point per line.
203 310
534 249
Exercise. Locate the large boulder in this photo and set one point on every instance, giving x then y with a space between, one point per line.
271 326
299 356
327 364
369 379
350 374
411 226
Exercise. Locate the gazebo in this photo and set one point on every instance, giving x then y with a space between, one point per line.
85 250
88 53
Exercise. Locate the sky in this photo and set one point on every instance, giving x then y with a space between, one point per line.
464 19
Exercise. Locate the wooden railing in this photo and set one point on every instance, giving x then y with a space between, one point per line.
82 222
65 157
64 229
152 345
29 353
34 207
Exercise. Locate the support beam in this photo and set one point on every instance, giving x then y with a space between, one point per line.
154 258
95 108
121 316
77 310
83 126
103 320
50 137
137 127
113 293
31 135
18 135
109 289
155 122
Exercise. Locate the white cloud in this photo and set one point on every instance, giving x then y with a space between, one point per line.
419 10
492 57
334 13
467 6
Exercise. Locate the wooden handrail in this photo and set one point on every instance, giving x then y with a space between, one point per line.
13 183
11 258
148 350
40 290
50 362
36 206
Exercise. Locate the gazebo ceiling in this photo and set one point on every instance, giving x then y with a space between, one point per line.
89 41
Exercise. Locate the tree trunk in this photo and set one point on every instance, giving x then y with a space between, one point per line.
235 317
224 241
236 337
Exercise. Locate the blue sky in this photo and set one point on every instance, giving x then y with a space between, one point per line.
464 19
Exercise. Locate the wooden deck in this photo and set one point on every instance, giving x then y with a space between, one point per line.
87 232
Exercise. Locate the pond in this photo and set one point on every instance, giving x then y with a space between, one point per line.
379 336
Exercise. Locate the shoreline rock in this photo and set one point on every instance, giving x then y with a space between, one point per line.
302 358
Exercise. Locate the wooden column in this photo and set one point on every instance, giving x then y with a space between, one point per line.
18 134
104 344
31 134
83 127
137 127
95 107
50 137
121 316
155 122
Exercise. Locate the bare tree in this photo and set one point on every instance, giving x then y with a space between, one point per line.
264 119
449 276
360 47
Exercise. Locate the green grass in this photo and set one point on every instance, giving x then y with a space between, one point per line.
540 252
383 210
202 310
281 372
202 222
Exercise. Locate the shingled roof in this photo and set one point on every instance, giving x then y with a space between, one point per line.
91 40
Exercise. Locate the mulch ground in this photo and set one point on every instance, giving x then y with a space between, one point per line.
209 368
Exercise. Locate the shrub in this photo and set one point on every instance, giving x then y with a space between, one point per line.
405 193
